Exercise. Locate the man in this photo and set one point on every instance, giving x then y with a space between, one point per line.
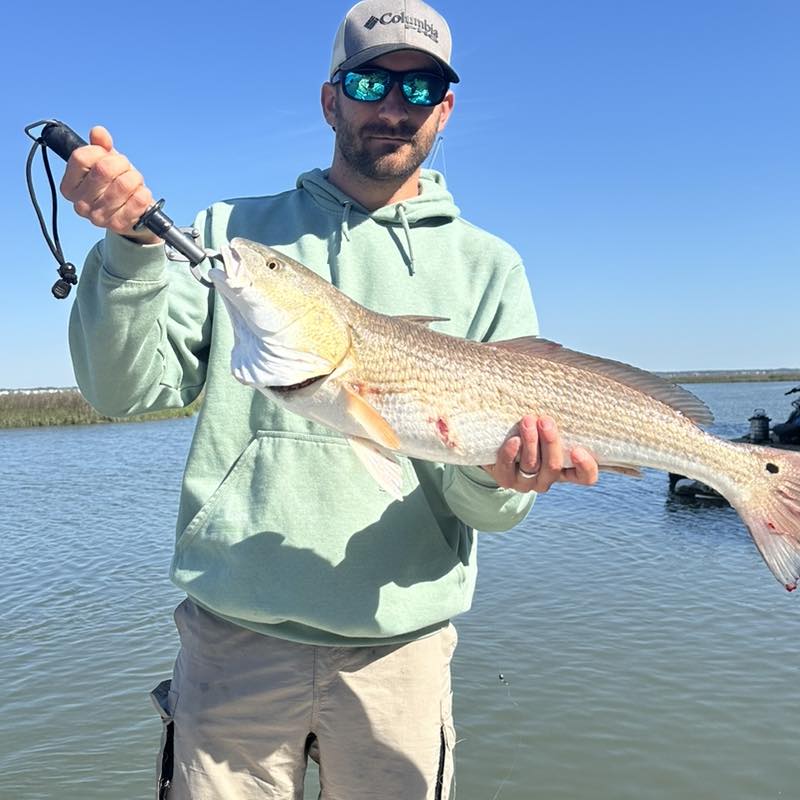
317 612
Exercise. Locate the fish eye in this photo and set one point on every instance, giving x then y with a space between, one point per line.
272 265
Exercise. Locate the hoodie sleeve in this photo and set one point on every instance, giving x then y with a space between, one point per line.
139 329
470 492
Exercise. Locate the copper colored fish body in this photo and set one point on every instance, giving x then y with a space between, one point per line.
391 384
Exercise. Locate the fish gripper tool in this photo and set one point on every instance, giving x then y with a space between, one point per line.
62 140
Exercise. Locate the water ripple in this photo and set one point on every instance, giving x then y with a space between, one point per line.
646 651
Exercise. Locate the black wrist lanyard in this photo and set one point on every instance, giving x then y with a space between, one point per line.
66 270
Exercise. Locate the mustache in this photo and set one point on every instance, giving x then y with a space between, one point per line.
402 131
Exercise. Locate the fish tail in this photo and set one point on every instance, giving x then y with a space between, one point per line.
771 511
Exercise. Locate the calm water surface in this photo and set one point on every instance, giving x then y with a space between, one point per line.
645 650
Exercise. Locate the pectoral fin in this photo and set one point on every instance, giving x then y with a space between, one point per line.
382 465
377 428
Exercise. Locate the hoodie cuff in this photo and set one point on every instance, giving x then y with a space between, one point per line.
476 499
478 476
131 261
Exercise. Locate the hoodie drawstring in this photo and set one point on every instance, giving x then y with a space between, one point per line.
344 230
346 219
401 213
344 234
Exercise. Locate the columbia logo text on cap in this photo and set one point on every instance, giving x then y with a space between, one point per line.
411 23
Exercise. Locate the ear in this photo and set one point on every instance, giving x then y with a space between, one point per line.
445 110
328 101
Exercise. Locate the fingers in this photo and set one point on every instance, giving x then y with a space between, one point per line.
547 459
533 460
101 137
504 470
105 188
529 452
97 179
125 217
584 470
550 454
79 165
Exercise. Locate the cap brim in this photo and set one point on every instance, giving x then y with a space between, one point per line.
382 49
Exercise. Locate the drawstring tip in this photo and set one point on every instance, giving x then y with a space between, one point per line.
62 287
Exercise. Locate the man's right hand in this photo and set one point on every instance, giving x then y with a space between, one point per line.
104 187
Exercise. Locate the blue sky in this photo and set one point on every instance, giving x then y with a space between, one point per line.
644 158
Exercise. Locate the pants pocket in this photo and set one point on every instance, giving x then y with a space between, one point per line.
164 701
444 778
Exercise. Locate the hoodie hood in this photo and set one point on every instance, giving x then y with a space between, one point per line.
433 202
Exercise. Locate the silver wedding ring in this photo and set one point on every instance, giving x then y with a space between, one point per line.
528 475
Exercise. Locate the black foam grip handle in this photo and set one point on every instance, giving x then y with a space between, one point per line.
61 139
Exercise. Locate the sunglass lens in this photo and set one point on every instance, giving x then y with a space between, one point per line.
371 85
424 89
365 86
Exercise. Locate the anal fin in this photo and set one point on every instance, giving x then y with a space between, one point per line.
382 465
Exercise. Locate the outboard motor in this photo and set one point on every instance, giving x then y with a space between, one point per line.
759 427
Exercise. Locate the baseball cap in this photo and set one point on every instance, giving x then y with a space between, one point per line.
373 28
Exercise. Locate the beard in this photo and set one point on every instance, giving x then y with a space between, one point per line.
383 160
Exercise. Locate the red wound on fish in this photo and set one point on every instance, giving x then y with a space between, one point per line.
443 430
790 587
365 389
771 526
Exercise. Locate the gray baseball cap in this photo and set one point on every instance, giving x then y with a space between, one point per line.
373 28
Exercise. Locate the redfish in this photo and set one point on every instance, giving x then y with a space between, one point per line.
393 385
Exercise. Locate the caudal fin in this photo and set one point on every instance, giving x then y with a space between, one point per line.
772 512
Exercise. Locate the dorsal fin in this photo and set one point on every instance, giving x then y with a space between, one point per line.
641 380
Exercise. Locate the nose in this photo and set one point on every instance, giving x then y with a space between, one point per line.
393 109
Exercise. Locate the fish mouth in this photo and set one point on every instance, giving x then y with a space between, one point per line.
231 275
294 387
232 260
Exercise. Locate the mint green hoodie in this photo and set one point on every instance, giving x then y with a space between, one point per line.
280 528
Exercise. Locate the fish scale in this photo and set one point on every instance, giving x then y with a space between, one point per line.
393 385
481 392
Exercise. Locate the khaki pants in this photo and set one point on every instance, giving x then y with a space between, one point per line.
244 711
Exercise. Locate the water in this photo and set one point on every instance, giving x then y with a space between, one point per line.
646 652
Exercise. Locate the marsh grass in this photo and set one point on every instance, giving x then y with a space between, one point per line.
41 407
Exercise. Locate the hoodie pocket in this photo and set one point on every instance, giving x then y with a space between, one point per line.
299 531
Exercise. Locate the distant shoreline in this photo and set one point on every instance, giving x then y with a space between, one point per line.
731 376
31 408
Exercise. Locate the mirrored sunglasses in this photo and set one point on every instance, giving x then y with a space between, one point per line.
370 84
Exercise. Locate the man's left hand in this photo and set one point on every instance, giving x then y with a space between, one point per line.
537 451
